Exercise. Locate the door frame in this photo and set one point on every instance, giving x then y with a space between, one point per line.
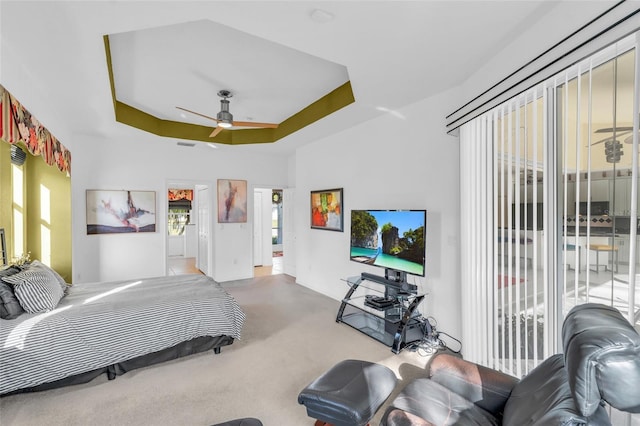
266 217
187 184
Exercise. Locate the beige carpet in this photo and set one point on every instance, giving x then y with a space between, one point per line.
290 337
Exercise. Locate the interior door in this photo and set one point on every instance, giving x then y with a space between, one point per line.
257 229
203 230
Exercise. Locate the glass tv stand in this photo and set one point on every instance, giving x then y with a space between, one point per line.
387 314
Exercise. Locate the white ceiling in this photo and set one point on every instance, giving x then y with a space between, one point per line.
395 53
269 82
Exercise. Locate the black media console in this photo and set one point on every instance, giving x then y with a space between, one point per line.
390 316
400 283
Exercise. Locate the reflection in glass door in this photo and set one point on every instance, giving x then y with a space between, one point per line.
549 214
521 295
595 123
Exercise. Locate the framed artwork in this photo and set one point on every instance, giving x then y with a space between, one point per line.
326 210
232 201
114 212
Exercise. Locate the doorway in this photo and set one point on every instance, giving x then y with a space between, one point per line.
268 254
187 228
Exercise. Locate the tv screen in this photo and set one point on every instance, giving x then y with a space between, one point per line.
391 239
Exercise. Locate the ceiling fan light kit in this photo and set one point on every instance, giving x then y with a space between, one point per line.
613 151
225 118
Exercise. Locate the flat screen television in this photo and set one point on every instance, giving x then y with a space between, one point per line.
390 239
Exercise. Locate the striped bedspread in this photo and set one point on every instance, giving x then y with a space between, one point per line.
99 324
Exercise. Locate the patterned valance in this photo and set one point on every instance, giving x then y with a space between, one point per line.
17 124
180 194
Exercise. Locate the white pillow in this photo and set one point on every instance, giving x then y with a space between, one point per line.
36 289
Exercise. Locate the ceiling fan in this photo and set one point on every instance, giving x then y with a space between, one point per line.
619 133
224 118
612 146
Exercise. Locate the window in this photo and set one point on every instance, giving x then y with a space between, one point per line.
180 205
178 219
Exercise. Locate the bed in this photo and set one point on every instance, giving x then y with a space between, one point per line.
114 327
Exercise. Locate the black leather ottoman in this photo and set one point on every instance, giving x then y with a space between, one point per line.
348 394
241 422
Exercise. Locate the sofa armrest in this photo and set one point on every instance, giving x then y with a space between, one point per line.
487 388
602 358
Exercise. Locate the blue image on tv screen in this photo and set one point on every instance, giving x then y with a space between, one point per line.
391 239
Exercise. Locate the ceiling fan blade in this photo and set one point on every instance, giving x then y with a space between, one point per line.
215 131
254 124
610 138
614 129
618 136
629 139
197 113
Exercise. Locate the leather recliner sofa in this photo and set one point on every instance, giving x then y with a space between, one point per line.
600 364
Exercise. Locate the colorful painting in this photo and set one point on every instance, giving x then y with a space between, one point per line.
232 201
326 209
112 212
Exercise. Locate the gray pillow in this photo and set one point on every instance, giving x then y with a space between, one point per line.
10 270
36 289
10 308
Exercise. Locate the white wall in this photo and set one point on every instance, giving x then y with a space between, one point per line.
148 163
400 161
560 20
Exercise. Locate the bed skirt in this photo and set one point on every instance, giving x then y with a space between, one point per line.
190 347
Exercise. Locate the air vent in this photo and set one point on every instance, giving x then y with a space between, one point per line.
189 144
18 156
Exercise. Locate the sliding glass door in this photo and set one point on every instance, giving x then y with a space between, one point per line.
595 129
549 186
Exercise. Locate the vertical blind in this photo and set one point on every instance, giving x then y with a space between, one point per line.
549 208
504 155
